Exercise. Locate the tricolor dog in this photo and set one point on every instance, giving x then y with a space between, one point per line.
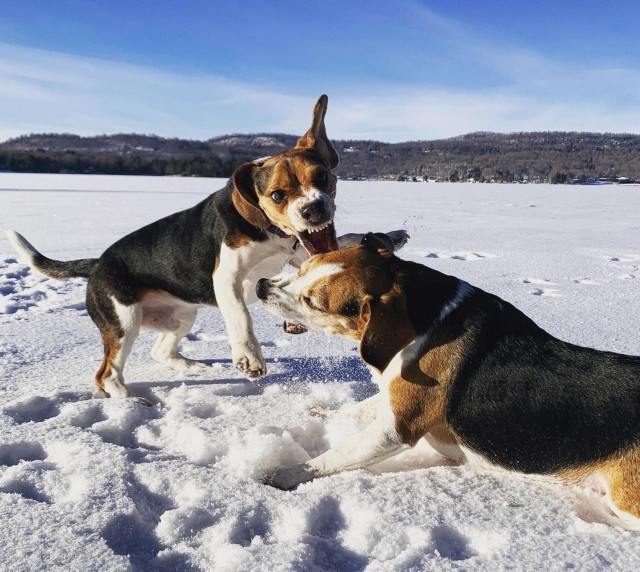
467 371
211 254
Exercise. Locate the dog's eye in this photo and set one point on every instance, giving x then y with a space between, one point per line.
310 303
278 196
350 308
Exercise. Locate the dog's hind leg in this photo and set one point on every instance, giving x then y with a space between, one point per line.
618 479
623 481
165 349
119 326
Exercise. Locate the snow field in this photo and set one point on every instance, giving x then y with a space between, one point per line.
99 484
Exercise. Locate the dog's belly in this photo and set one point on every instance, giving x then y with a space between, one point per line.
161 311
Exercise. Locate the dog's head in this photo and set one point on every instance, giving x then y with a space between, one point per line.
294 190
352 292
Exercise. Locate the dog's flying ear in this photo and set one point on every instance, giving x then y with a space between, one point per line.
245 198
387 329
316 138
378 242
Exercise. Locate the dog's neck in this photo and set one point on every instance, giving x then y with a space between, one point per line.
273 229
433 355
432 299
431 296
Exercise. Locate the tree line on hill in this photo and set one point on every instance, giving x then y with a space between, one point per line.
39 161
556 157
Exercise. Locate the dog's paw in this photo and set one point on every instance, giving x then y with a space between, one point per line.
399 238
295 329
248 359
102 394
252 368
288 478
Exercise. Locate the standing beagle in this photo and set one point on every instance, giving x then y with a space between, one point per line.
211 254
468 371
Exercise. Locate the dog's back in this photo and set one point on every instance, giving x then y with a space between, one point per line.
536 404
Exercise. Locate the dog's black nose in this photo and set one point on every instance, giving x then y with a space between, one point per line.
314 212
261 288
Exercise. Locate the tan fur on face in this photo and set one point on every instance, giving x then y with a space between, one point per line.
293 173
364 276
361 301
359 263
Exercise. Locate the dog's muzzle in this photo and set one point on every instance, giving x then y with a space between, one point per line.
262 292
314 212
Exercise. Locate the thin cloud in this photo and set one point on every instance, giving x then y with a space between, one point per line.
44 91
52 91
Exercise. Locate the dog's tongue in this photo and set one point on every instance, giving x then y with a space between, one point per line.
319 241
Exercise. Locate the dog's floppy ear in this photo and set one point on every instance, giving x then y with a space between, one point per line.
245 198
316 138
378 242
387 329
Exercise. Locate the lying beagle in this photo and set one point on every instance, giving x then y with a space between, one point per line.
469 372
211 254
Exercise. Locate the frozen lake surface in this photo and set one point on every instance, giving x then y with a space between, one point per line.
110 485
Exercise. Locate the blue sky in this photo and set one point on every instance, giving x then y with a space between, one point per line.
393 70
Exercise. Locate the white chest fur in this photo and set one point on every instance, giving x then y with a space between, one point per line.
247 264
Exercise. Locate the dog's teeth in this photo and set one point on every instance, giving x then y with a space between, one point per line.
319 228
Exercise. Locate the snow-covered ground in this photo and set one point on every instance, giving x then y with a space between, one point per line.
98 484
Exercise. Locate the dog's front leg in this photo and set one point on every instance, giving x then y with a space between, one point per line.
228 287
374 443
397 239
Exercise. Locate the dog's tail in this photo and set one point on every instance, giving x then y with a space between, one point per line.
59 269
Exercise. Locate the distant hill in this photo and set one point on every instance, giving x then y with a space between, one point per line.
556 157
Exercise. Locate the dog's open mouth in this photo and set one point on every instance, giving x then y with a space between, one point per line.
319 239
315 241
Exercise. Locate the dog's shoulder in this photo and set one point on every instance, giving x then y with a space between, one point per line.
229 227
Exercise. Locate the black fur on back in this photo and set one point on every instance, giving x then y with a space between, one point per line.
176 254
536 404
522 398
